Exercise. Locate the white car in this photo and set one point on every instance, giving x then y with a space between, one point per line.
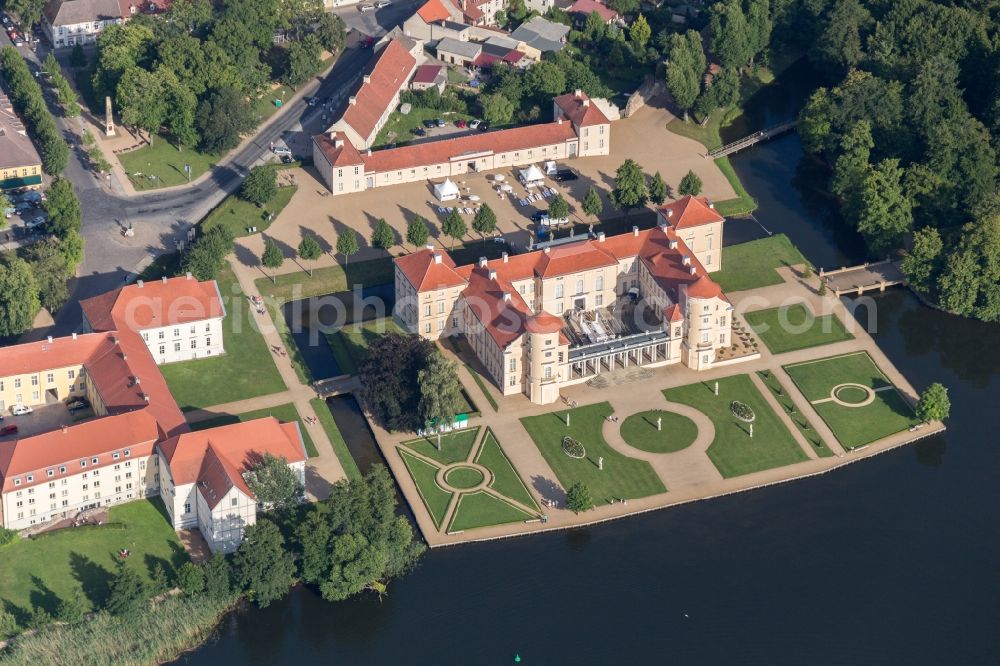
35 222
366 8
20 410
382 4
281 150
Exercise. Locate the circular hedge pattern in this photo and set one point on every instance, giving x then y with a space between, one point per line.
573 448
852 394
742 411
463 477
678 433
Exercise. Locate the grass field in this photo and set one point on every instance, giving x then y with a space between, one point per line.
328 280
166 163
803 424
506 480
246 370
793 327
336 438
621 478
733 451
639 430
455 446
751 265
238 215
435 498
888 414
285 413
40 572
398 128
350 343
480 509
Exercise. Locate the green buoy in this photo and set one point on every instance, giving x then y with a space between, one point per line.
517 659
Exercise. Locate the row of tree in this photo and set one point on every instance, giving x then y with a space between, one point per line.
29 102
909 133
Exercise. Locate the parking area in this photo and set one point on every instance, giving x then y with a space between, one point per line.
43 418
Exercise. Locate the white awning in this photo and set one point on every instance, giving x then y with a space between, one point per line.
531 175
446 191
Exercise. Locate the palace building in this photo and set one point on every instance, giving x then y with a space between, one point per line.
566 313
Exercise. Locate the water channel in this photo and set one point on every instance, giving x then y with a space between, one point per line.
892 560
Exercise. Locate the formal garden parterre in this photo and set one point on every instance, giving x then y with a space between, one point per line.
792 327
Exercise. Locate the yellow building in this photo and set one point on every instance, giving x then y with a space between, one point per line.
20 165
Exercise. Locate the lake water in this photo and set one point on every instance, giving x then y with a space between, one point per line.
892 560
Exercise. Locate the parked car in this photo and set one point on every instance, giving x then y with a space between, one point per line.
8 430
460 123
564 175
474 124
35 222
20 410
484 126
281 150
365 8
538 215
76 405
382 4
430 123
419 131
441 122
312 101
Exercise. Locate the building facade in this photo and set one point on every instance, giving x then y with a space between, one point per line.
70 23
563 314
20 163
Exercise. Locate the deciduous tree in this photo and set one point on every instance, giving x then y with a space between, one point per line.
558 208
347 243
578 498
128 591
630 190
272 256
260 185
264 569
454 226
417 232
222 117
485 221
639 33
730 37
440 390
383 237
497 109
685 69
920 263
690 184
331 32
273 482
19 301
886 212
658 189
309 249
934 404
592 204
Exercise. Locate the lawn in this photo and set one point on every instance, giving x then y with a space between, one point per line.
238 215
435 498
350 343
888 414
39 572
793 327
621 478
733 451
506 480
398 128
743 204
336 438
328 280
285 413
455 446
246 370
264 106
480 509
678 432
805 427
751 265
162 164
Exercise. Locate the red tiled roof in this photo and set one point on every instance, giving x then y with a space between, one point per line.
95 438
578 107
35 357
438 152
428 270
486 60
343 155
585 7
503 319
426 73
389 73
216 458
704 287
433 11
153 304
689 211
572 258
673 313
543 322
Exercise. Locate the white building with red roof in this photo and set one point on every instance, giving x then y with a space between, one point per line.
136 443
562 314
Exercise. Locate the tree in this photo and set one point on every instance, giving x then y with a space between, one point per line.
971 272
73 608
592 204
726 88
264 569
48 264
886 212
309 249
935 96
485 221
208 256
331 32
417 232
658 189
595 27
274 484
141 100
558 208
624 6
389 386
354 540
440 390
222 117
260 185
63 208
218 577
851 167
639 33
29 12
729 34
934 404
347 243
272 256
19 301
630 190
690 184
454 226
840 45
71 248
685 69
545 78
191 579
8 623
180 106
158 580
497 109
578 498
759 26
303 61
919 265
382 235
127 589
77 58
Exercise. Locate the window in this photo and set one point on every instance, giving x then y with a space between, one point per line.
163 350
34 395
427 310
62 469
235 501
70 373
600 282
194 343
722 321
559 308
192 330
513 380
548 372
708 259
177 346
521 289
17 382
34 380
441 307
559 291
599 300
128 452
162 335
208 342
208 328
50 472
704 337
115 456
31 478
427 327
579 286
513 364
177 332
50 378
93 460
187 507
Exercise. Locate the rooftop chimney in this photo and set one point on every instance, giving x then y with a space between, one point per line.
338 143
367 78
506 297
546 250
694 270
503 255
65 428
368 153
710 204
50 339
352 100
74 336
600 236
586 102
670 212
578 93
635 231
437 257
145 396
188 276
164 278
686 260
137 380
429 247
673 243
493 274
482 262
333 134
559 120
139 283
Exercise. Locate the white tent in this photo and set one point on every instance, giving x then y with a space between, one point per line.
550 167
531 176
446 191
